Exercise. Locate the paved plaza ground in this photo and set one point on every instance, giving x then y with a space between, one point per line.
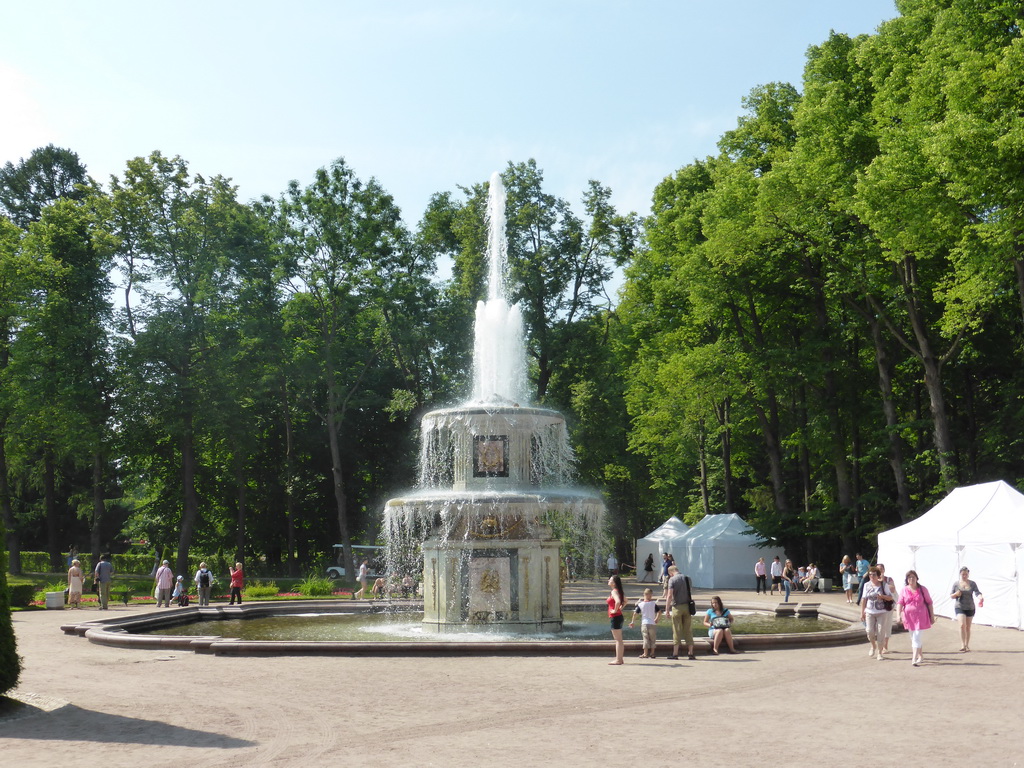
113 707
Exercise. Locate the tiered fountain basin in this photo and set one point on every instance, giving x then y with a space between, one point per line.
492 474
133 632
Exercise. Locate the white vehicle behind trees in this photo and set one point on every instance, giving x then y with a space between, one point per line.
360 552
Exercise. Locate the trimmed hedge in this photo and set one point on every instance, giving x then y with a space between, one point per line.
139 565
21 594
10 662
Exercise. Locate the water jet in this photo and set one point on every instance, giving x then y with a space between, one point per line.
494 472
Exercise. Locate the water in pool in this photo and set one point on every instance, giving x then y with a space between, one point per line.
384 627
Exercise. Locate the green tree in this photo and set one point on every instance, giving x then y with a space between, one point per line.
14 289
50 173
62 361
354 281
174 233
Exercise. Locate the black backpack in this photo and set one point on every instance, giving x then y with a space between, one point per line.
204 578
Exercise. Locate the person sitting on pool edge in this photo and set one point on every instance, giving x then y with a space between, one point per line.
718 619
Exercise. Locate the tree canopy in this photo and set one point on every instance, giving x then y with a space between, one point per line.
820 326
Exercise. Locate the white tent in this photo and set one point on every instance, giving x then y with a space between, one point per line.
977 526
658 542
720 552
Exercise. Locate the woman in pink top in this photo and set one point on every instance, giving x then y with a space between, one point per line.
915 611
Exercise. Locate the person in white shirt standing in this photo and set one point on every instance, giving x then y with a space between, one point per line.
613 565
776 575
650 613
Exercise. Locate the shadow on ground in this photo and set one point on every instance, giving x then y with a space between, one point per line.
72 723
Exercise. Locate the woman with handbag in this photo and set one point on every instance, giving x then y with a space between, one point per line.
875 606
915 612
892 590
963 594
718 620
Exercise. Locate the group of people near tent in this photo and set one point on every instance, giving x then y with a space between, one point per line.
981 524
882 604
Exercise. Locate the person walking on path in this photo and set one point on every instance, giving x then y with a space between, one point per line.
650 613
761 576
916 614
364 575
163 580
237 582
75 581
649 569
677 604
104 575
616 600
963 594
873 611
892 590
204 582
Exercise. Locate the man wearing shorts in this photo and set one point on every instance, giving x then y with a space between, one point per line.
677 605
776 575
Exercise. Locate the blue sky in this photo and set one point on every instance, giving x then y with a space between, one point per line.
423 96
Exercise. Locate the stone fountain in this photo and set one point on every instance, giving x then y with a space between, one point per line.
494 473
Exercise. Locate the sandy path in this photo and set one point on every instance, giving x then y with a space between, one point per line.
131 708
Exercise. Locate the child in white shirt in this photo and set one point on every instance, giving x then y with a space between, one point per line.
650 614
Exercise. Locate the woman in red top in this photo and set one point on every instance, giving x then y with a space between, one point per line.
616 600
236 583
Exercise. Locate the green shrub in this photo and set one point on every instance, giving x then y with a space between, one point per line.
21 594
134 564
260 589
315 586
10 662
35 562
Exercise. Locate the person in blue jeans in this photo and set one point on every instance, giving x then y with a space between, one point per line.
788 575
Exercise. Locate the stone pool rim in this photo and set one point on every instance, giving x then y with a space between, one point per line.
120 632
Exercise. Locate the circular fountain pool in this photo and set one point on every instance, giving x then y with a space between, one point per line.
407 626
333 628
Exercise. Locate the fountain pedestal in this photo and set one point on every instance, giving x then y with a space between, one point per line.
513 583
